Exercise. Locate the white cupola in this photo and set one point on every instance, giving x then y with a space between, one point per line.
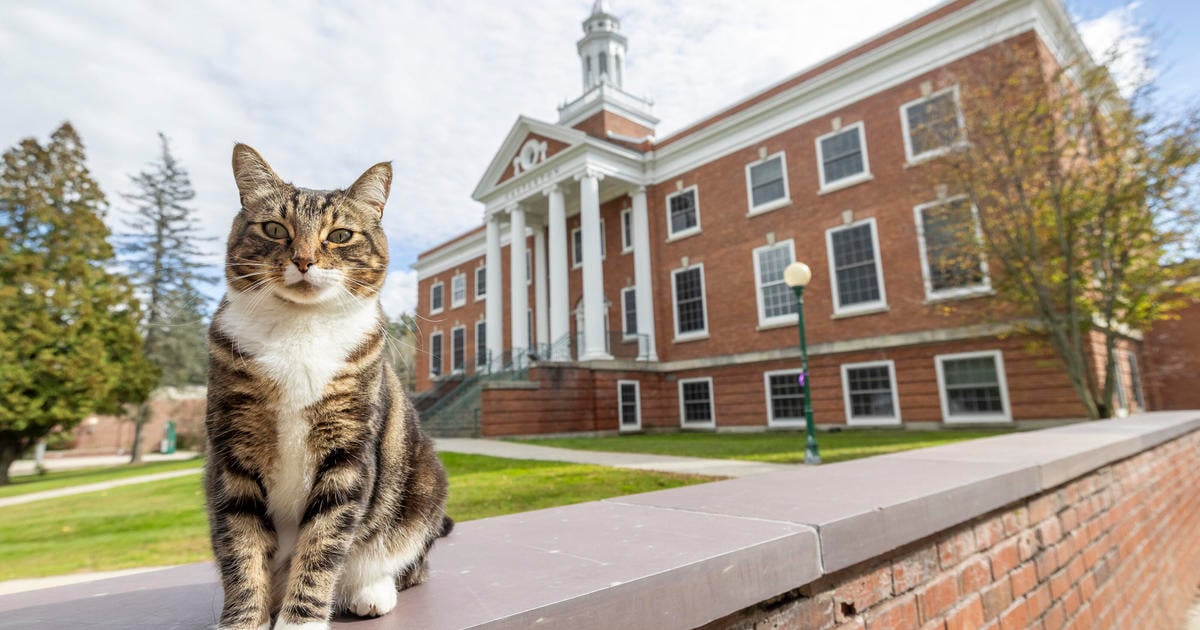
602 49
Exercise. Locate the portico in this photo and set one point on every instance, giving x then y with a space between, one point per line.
538 203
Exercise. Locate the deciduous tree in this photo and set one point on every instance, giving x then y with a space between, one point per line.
1083 196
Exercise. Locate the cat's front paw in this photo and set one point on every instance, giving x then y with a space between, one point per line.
374 600
308 625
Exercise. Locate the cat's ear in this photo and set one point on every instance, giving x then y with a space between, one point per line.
373 186
255 178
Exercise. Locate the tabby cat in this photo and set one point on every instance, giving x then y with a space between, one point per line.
324 494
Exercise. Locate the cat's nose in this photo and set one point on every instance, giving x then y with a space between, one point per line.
303 262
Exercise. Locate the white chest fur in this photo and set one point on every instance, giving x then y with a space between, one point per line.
301 348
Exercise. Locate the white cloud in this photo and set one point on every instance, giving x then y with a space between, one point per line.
399 294
324 90
1119 39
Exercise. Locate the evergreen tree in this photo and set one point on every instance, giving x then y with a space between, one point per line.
69 340
160 250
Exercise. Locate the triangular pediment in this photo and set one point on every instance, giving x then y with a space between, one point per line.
529 144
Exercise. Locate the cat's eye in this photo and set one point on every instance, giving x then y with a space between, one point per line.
274 230
339 236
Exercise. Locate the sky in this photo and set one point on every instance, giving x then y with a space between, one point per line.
325 89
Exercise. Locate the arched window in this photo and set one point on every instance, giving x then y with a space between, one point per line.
619 69
603 64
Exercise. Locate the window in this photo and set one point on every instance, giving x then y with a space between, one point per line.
972 387
528 266
843 157
687 286
629 313
950 254
577 246
785 397
435 355
529 341
932 124
870 394
437 297
458 290
683 213
696 402
626 230
1135 375
458 349
629 405
776 303
481 351
480 283
766 181
855 269
603 64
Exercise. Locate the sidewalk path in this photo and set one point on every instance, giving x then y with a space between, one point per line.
95 487
26 466
638 461
33 584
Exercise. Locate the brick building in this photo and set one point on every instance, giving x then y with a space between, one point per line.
648 291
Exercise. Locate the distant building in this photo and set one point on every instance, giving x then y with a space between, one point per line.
648 291
113 435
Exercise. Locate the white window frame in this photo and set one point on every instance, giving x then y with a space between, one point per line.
772 421
1122 407
983 287
851 180
528 266
436 285
480 357
479 297
578 251
463 368
440 356
1135 378
625 334
864 307
874 421
637 397
712 404
763 320
998 357
695 334
770 205
932 153
461 277
674 236
626 219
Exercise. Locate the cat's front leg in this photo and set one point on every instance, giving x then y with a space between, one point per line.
335 507
243 544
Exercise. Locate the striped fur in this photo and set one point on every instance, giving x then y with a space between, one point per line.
324 494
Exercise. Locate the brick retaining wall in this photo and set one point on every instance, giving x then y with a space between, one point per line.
1117 548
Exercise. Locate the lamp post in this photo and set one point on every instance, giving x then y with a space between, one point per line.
797 276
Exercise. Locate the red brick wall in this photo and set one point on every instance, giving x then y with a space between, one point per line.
580 399
1112 549
114 434
1173 361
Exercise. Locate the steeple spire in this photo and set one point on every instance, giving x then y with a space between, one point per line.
602 49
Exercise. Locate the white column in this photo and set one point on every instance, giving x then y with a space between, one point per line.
644 290
494 307
520 290
541 298
560 297
593 270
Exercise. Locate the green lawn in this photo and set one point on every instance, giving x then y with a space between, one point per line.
777 447
25 484
163 522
